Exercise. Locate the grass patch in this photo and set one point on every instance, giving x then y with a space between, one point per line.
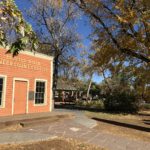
137 120
119 116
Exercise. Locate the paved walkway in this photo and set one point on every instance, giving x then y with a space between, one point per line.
75 128
79 117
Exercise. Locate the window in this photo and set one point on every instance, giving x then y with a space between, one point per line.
1 90
40 92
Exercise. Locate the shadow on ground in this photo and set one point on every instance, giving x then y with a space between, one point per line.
74 107
143 114
146 121
113 122
127 125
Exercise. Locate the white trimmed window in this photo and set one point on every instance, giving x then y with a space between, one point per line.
2 90
40 92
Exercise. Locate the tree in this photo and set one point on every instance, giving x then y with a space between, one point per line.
70 69
121 37
96 90
122 96
15 32
141 81
55 30
127 17
123 24
87 70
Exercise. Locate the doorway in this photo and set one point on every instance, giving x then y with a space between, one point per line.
20 97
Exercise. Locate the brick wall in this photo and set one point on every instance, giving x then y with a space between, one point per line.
27 67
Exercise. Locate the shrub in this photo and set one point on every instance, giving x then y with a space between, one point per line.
122 102
97 104
146 106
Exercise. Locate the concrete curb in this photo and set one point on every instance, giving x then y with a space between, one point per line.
28 121
19 138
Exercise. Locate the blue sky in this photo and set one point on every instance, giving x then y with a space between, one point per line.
83 29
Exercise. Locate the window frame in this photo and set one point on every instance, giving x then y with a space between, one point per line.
45 97
4 90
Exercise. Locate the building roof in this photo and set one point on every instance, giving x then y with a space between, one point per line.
33 53
37 54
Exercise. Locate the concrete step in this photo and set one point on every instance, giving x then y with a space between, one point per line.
34 121
40 121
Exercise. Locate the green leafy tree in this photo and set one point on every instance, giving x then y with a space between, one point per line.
15 33
122 24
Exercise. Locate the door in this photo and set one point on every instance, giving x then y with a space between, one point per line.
20 97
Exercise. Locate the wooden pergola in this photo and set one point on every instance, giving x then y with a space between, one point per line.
66 92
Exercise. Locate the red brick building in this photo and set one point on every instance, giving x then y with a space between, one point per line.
25 83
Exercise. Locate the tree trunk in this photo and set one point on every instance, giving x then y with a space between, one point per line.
89 87
55 75
106 81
